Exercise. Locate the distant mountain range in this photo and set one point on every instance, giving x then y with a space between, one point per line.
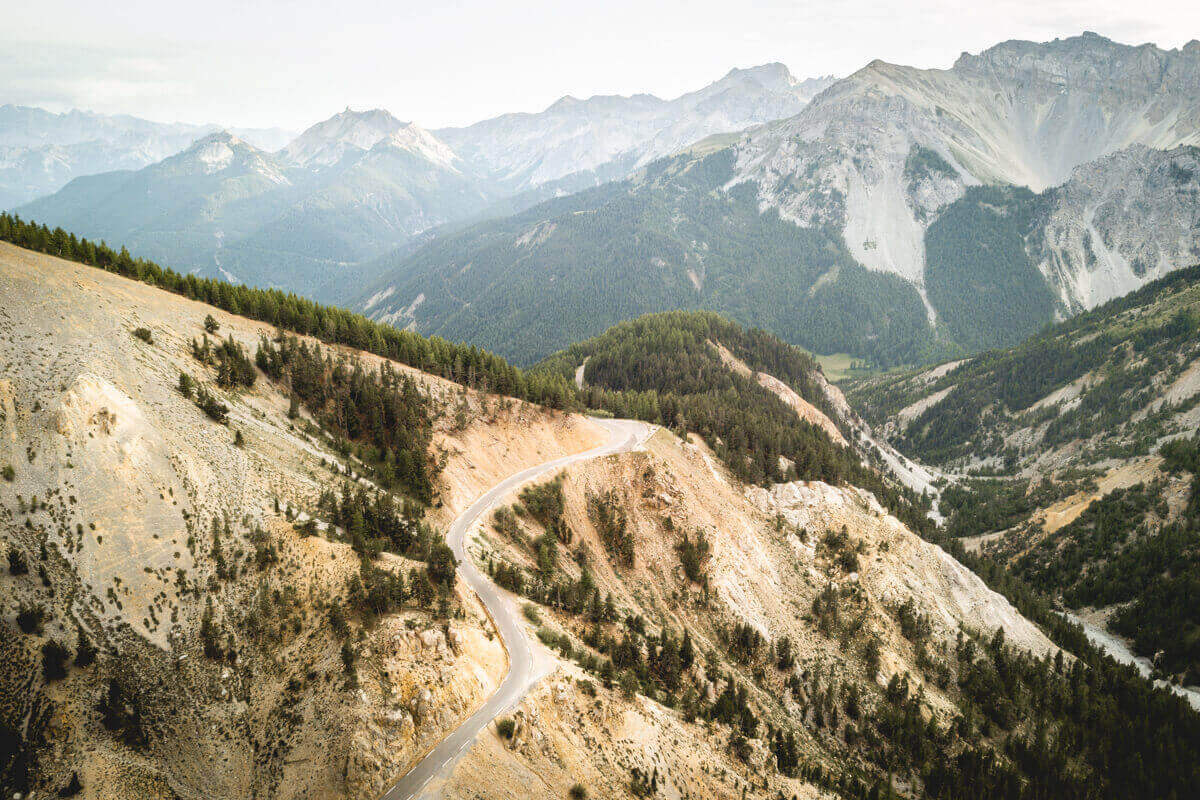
361 184
343 191
40 151
901 216
608 135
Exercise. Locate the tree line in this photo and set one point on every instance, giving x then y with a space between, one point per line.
469 365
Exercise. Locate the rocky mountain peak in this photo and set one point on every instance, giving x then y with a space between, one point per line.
348 132
220 154
564 103
223 136
414 139
216 152
1080 61
775 76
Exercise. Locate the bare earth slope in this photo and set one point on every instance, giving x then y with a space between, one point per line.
224 669
764 570
116 481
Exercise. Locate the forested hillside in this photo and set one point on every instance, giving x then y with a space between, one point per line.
1081 451
1137 549
1123 351
1022 729
670 238
981 279
961 714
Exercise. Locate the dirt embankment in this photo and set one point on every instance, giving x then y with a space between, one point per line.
1067 510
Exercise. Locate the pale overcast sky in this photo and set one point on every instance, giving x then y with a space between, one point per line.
451 63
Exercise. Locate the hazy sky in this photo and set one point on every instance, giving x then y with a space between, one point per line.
449 63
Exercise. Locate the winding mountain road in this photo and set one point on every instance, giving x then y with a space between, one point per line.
623 436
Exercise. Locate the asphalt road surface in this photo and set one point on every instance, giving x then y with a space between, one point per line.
623 436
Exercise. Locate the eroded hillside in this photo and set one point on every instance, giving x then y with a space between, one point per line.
190 632
797 596
221 580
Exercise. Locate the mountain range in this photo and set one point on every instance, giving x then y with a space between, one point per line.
40 151
607 135
898 215
902 215
361 184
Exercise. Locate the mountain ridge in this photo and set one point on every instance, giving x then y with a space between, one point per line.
363 183
40 151
505 145
891 177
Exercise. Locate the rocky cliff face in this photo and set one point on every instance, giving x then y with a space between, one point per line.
880 153
1071 101
1118 223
